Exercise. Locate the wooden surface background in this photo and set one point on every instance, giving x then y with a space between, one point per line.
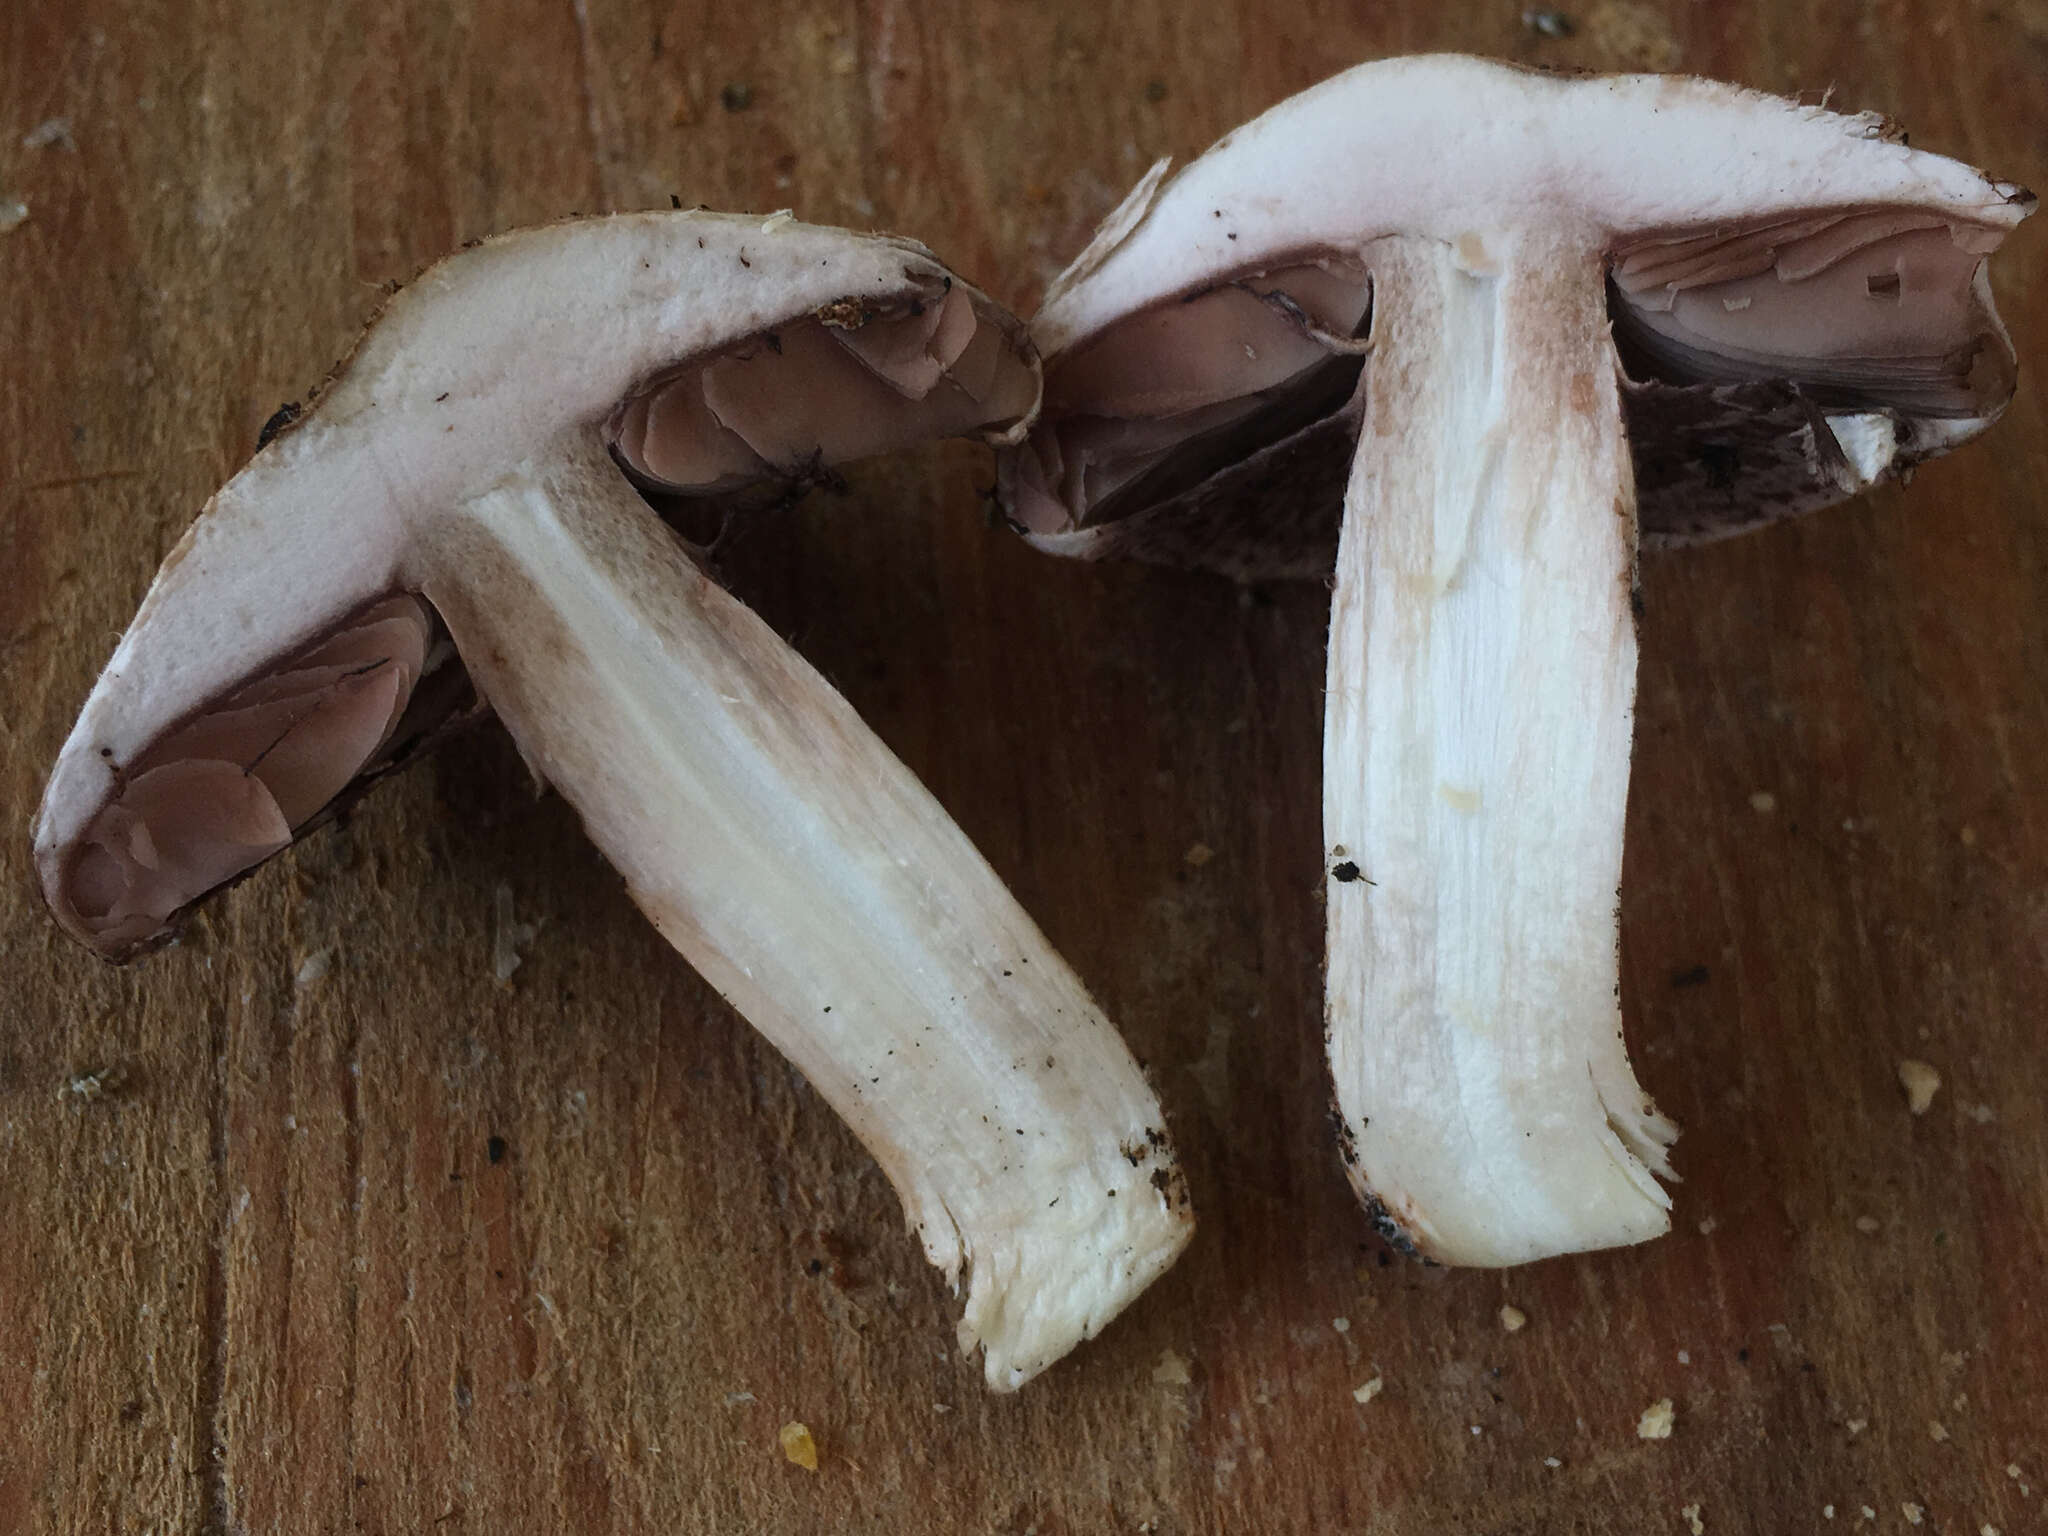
312 1224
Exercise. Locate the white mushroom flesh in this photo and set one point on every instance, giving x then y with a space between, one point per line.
1475 763
780 846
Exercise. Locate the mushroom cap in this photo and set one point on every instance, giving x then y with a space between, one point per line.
1799 302
477 365
1442 144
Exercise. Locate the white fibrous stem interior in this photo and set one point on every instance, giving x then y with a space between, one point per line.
1475 763
231 786
824 388
817 885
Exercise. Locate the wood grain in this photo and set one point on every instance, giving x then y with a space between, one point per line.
311 1225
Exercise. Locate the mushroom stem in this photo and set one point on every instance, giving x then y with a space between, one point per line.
1476 754
788 854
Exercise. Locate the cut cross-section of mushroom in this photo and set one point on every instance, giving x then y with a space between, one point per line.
1480 316
457 505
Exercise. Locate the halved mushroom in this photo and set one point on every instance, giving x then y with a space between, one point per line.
453 512
1483 316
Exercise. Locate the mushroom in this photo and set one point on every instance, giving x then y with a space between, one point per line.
1482 316
455 511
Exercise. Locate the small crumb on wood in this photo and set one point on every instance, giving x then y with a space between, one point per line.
1987 1529
1552 1462
1685 1357
1171 1371
1868 1224
1546 23
1656 1421
1869 1513
1936 1430
1857 1426
313 967
1707 1225
1921 1083
1968 837
1197 855
1827 1511
1983 1114
1341 1324
1913 1513
2012 1469
51 133
1693 1522
1513 1319
87 1086
1369 1390
1763 802
798 1445
507 935
13 214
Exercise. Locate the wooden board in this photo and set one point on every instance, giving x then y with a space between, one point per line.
310 1224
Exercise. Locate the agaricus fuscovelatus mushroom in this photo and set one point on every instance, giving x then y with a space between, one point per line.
457 505
1487 317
